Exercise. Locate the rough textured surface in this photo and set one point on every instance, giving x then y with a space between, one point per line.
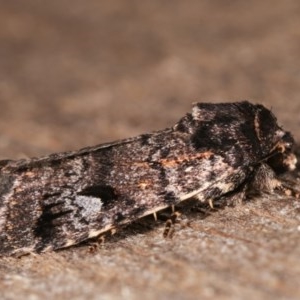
74 74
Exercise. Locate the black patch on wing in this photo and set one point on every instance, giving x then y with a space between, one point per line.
162 173
106 193
169 198
6 184
48 224
205 138
185 124
145 138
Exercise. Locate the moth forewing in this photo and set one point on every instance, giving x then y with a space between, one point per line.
63 199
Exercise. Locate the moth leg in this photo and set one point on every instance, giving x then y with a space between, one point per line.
288 191
265 180
238 196
99 241
169 226
93 247
173 208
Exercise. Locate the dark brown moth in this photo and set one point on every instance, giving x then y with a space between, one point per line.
214 152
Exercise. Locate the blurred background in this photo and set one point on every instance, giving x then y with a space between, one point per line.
79 73
75 73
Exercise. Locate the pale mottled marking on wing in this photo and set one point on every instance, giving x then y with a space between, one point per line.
94 233
256 126
7 203
170 165
198 116
48 248
69 243
91 206
200 171
224 187
23 251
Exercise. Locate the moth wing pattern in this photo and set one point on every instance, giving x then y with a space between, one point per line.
63 199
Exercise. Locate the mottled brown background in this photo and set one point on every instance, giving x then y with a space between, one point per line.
78 73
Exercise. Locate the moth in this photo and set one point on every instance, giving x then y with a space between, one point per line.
215 152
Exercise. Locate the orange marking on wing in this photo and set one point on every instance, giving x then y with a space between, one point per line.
144 184
172 162
169 163
30 174
141 164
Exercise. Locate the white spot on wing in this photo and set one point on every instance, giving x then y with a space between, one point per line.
90 205
189 169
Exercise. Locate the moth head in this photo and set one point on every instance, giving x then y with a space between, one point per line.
277 145
282 157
